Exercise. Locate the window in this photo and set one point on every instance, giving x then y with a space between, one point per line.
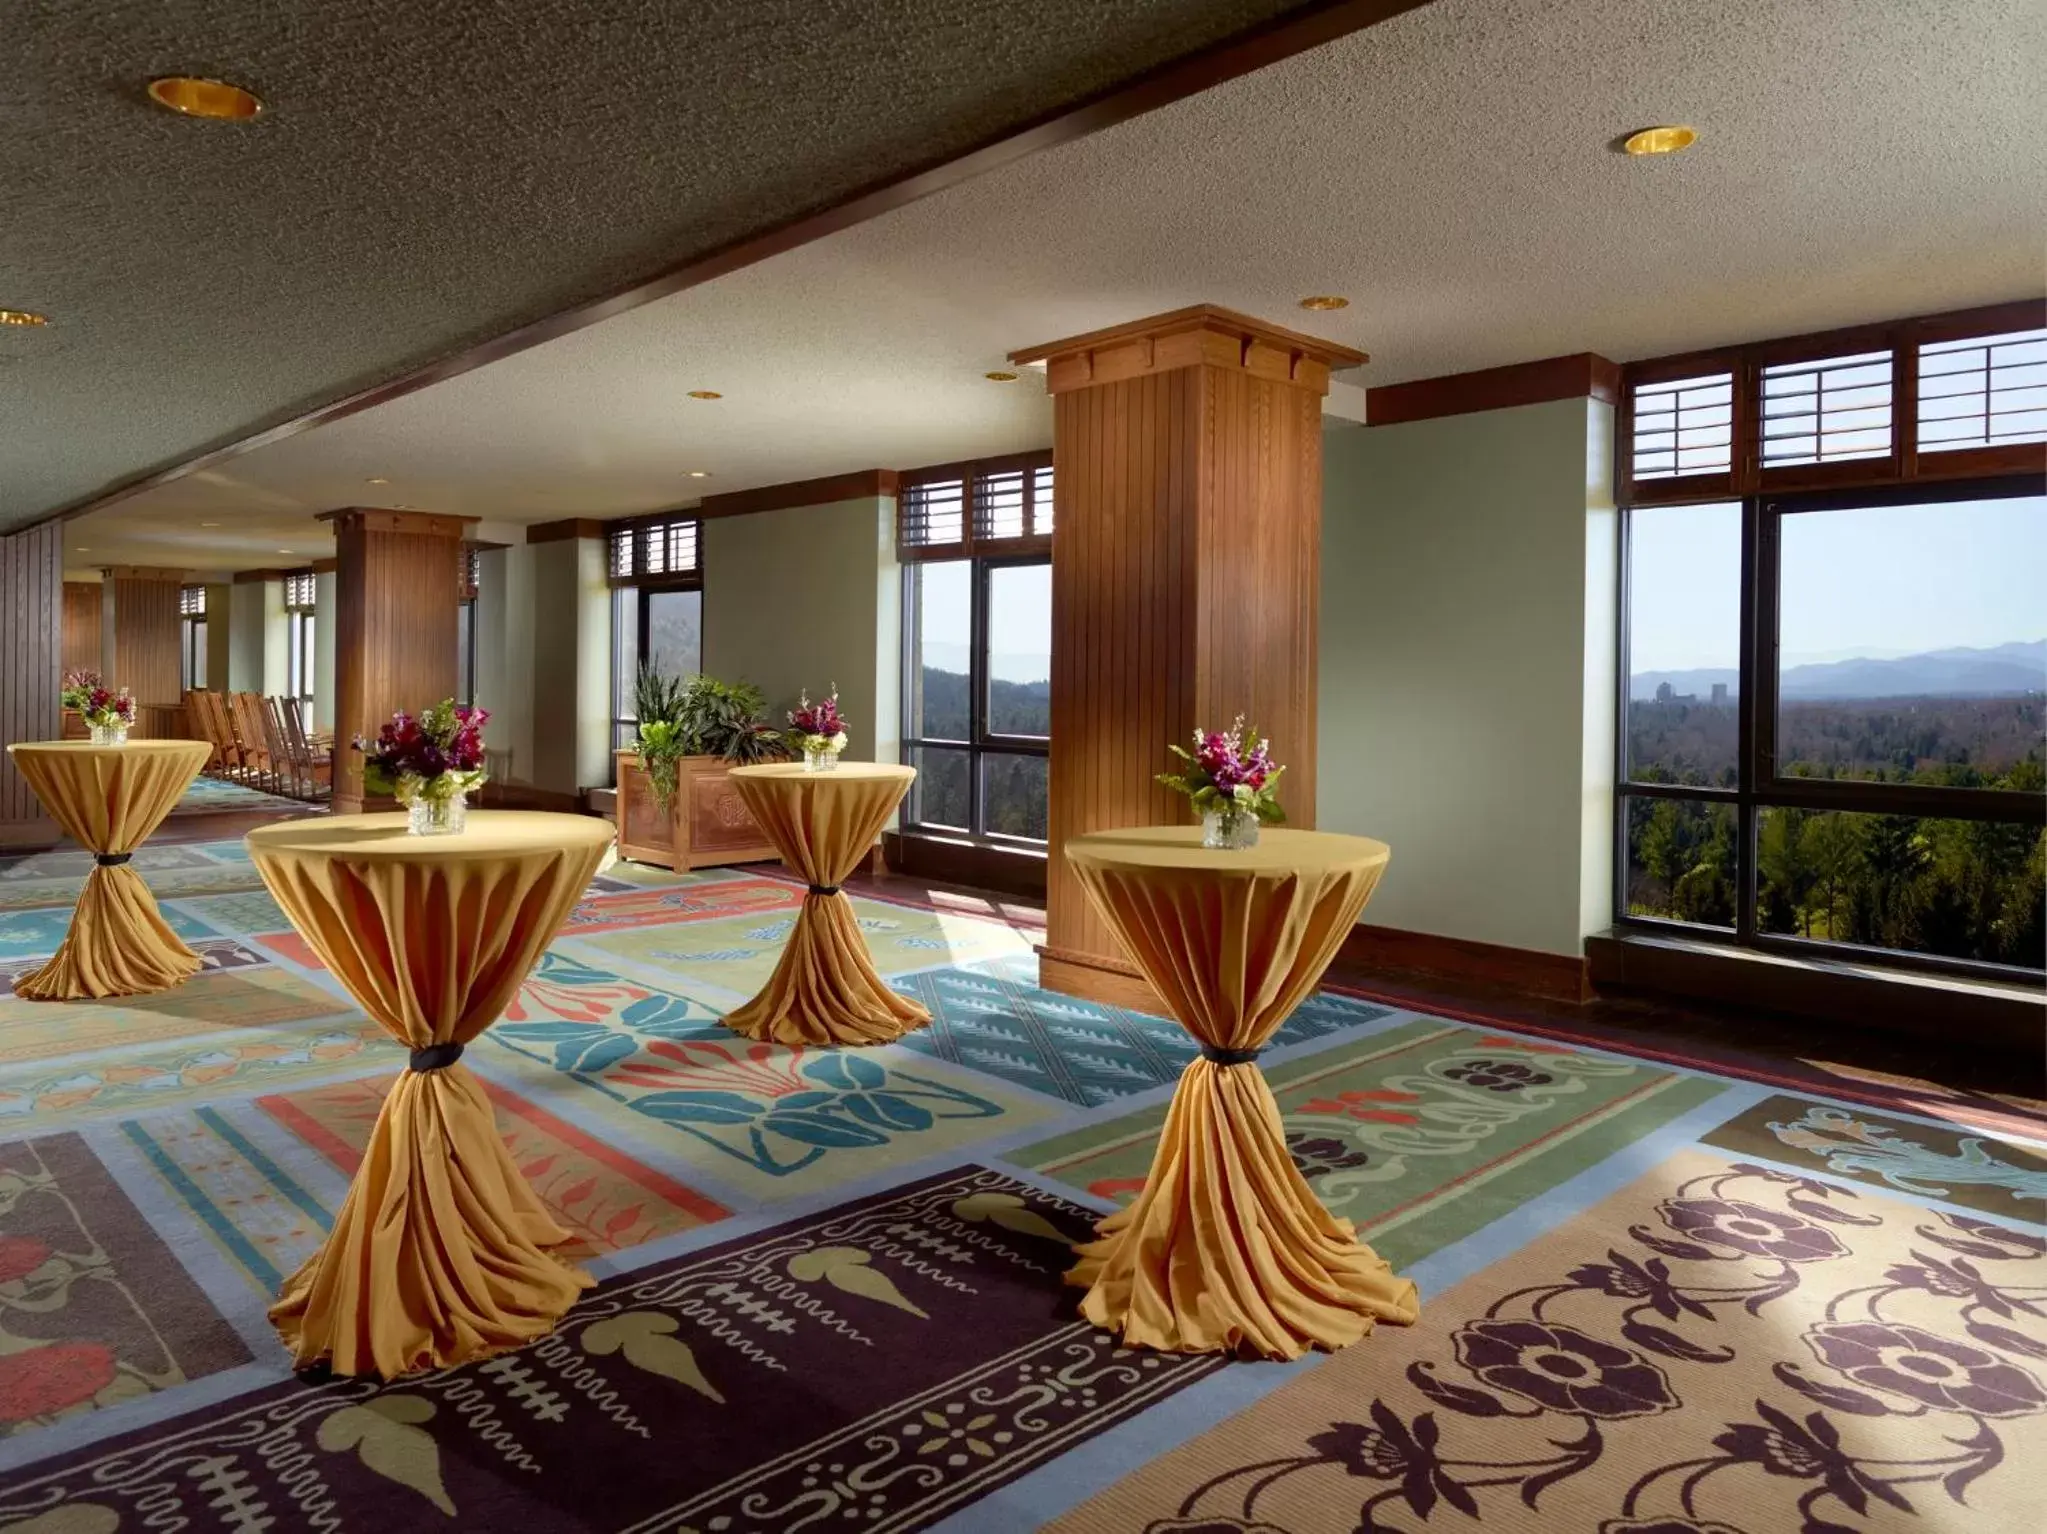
977 647
657 610
1834 714
192 637
465 627
1821 412
1684 426
300 595
1983 391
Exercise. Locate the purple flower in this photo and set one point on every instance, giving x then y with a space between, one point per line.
1922 1366
1751 1228
1563 1369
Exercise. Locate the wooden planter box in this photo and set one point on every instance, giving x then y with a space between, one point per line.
708 825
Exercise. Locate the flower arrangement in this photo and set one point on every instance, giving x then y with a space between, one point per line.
1233 784
108 714
78 687
818 730
430 762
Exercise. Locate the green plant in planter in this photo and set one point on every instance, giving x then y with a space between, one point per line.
661 701
728 719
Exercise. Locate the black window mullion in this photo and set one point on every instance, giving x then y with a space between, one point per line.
1757 681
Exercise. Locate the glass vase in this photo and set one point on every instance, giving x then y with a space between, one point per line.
1229 830
820 761
109 734
437 814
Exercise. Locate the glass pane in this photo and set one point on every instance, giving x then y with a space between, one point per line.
465 654
1684 644
944 783
1014 795
675 640
1913 644
1020 650
940 639
625 653
1684 426
1681 860
1962 889
198 653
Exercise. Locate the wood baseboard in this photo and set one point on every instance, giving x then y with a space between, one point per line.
1093 977
1553 976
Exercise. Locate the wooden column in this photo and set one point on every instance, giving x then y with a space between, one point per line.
1186 556
82 626
31 659
144 656
397 586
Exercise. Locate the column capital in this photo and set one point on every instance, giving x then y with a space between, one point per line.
383 519
1200 335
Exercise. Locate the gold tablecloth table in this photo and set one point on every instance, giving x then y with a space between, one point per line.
825 989
439 1253
1226 1248
108 799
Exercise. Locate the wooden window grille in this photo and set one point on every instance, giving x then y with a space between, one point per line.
1827 410
667 550
191 601
991 506
1987 391
301 592
1683 426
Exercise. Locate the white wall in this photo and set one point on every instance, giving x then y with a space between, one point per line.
244 629
806 597
1466 672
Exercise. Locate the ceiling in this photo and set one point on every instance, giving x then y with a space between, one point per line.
1448 170
429 175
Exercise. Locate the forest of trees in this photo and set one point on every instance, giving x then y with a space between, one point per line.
1017 801
1960 888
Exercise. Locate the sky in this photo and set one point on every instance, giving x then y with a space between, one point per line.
1873 581
1019 619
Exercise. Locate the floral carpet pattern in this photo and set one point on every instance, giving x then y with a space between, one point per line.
1655 1298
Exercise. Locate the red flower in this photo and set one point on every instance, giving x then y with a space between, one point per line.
20 1256
52 1377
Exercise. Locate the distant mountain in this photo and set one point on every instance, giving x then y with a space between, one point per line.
2002 671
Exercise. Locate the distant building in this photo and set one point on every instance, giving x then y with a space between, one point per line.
1665 692
1720 695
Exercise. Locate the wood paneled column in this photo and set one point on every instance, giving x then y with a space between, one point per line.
397 586
144 655
1187 458
31 658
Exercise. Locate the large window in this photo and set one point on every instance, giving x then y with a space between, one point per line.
657 610
1834 706
465 627
192 637
300 595
977 647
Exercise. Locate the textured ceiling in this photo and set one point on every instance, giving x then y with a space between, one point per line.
430 173
1446 170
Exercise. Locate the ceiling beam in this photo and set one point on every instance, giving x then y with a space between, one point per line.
1313 25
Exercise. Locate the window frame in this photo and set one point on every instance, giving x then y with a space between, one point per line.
1759 786
301 615
981 741
191 625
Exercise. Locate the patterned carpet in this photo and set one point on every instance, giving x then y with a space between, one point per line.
1654 1298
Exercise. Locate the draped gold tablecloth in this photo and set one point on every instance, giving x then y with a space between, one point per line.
438 1255
108 799
1227 1249
825 989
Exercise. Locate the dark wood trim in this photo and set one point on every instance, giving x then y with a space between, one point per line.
1555 976
861 484
1246 329
258 577
561 532
1583 375
955 860
147 573
1298 32
1856 995
326 566
1094 978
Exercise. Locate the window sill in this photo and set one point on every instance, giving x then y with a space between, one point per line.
1957 1011
1004 869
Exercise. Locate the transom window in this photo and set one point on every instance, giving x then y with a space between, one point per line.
192 637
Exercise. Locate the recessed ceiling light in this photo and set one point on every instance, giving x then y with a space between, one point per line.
82 549
27 319
699 473
1668 139
193 97
1000 377
1325 301
209 524
380 480
705 394
284 551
